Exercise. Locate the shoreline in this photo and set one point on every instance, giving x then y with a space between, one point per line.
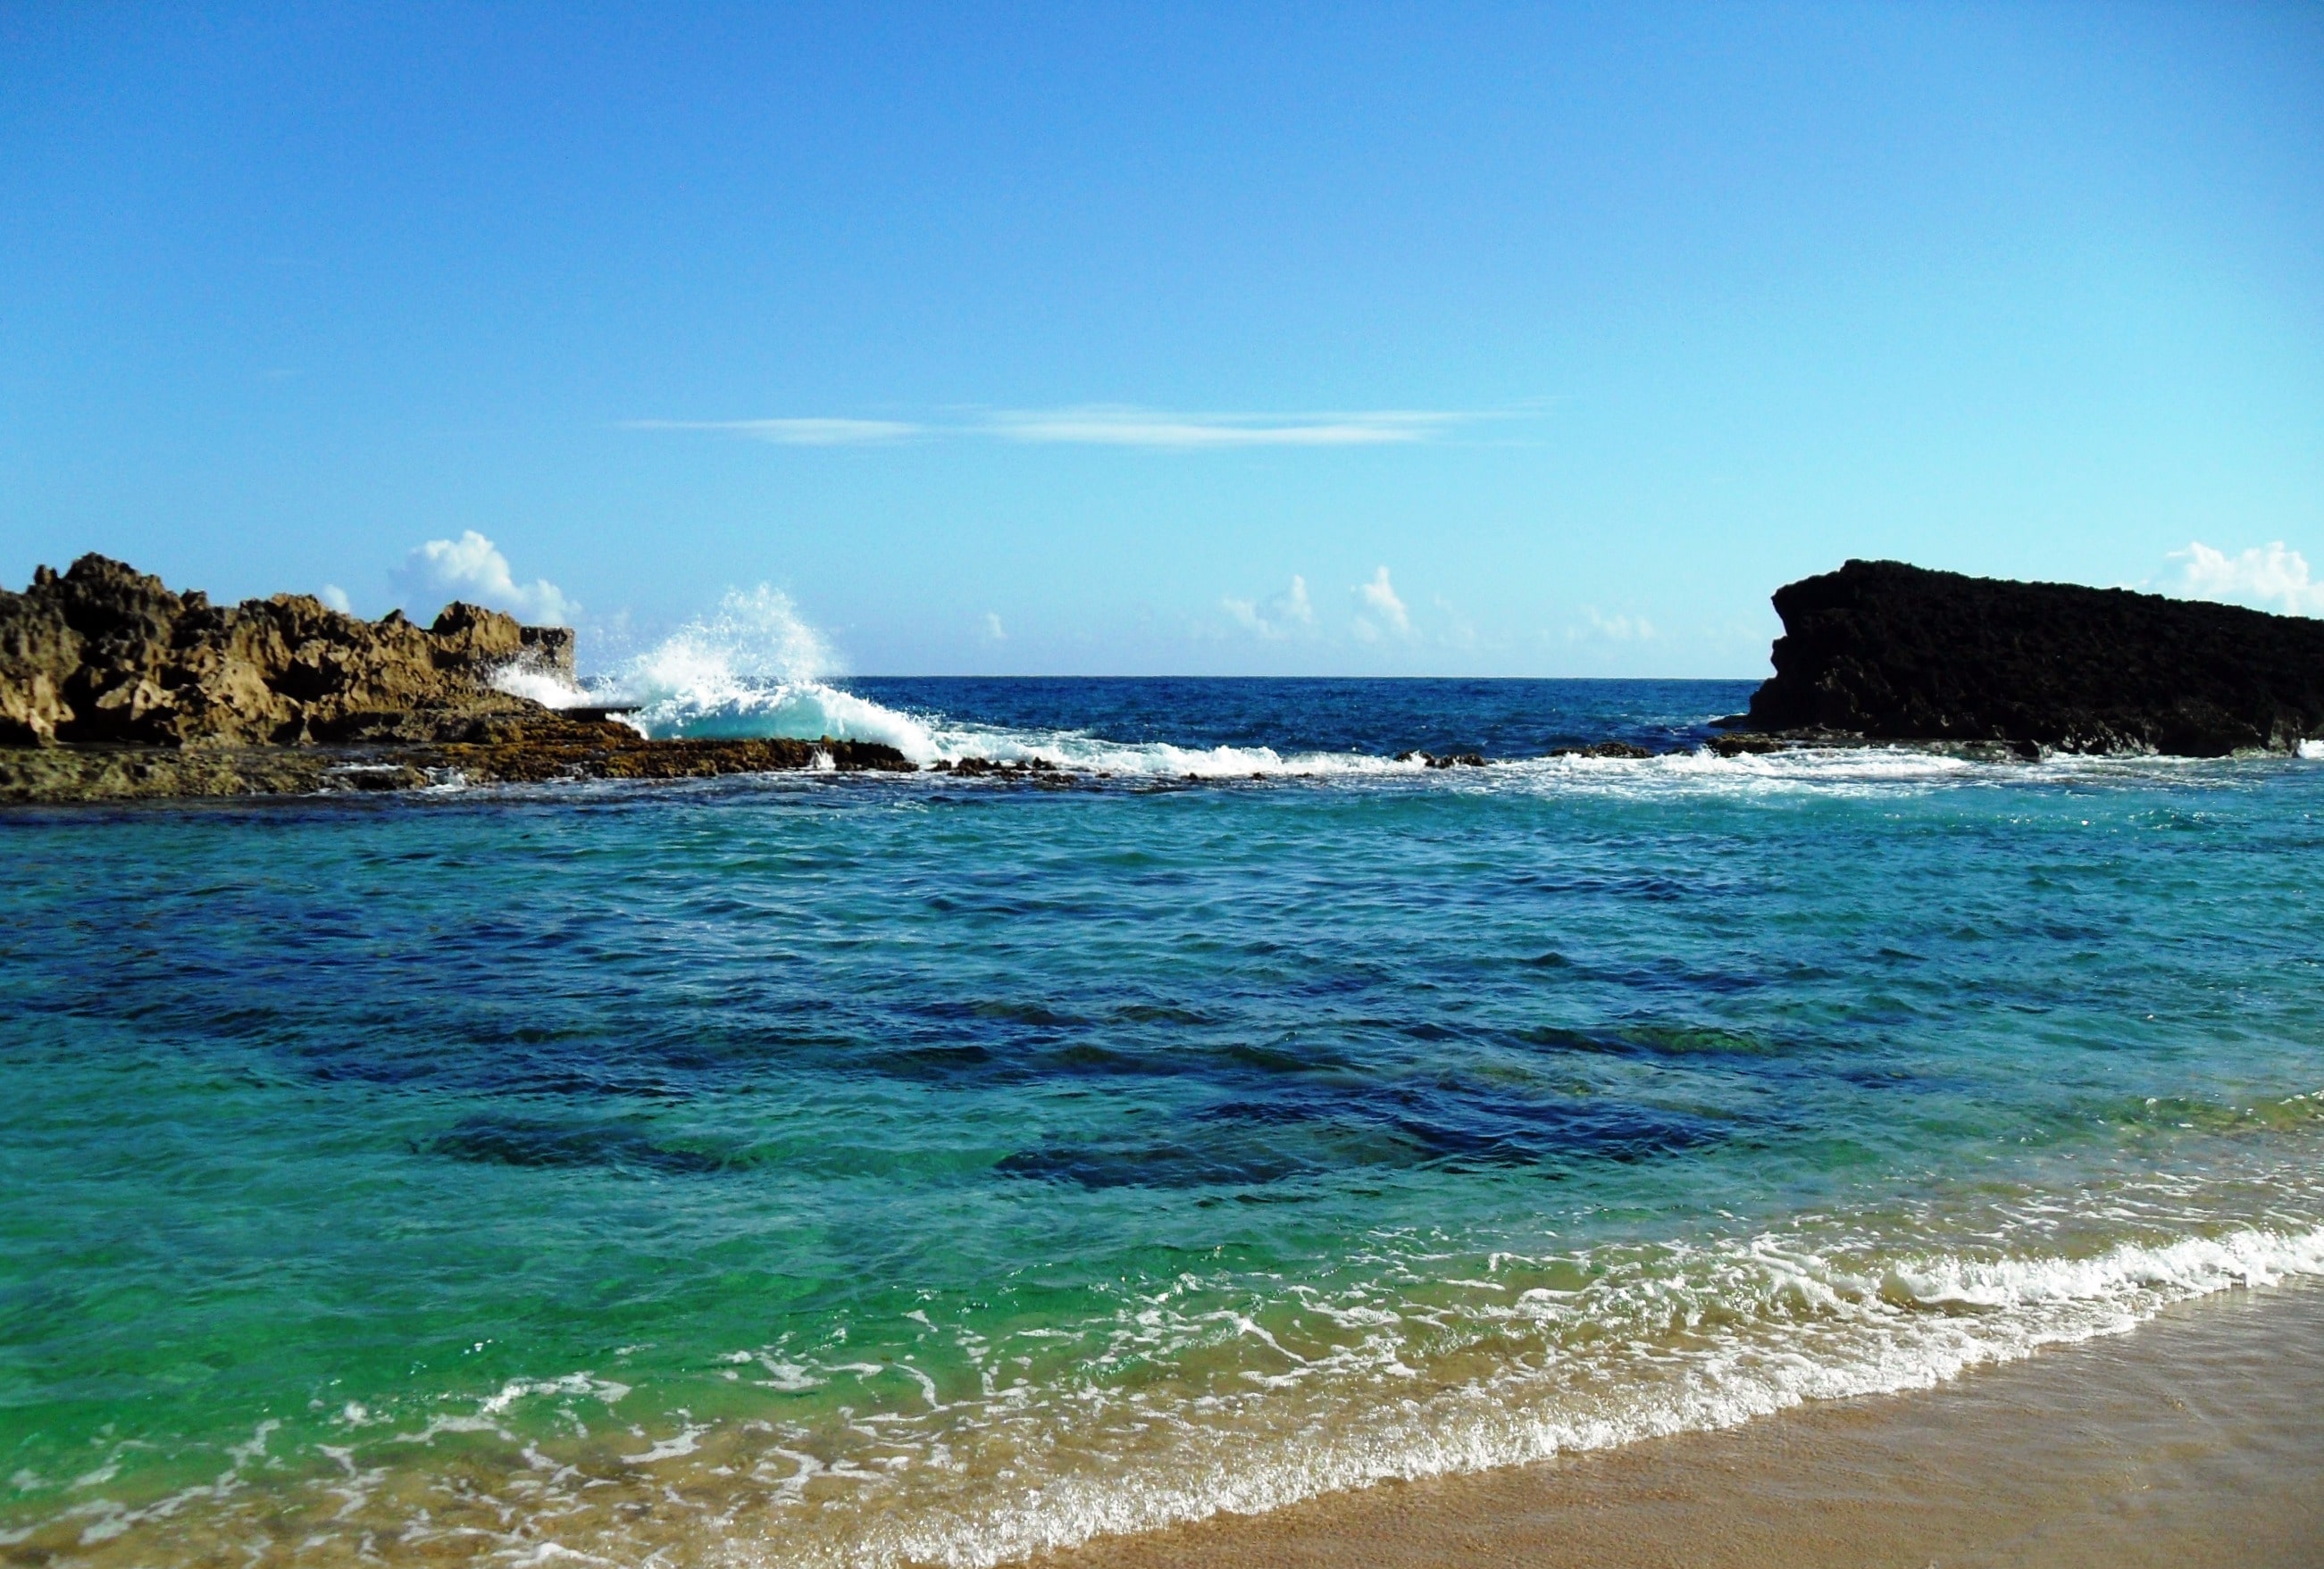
2196 1438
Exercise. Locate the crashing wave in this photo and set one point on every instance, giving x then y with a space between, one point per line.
551 689
753 668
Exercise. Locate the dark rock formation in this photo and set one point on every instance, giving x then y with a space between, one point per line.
985 768
1620 749
1897 653
1747 744
107 653
1034 771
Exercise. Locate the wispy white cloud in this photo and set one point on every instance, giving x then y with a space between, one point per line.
1114 425
337 598
993 631
2269 575
1379 597
809 432
1100 425
1461 632
472 568
1280 616
1621 629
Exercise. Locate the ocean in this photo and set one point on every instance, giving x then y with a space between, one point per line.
839 1169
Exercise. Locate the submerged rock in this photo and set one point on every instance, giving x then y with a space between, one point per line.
1749 746
986 768
1891 652
1619 749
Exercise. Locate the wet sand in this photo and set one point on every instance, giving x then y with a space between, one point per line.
2198 1440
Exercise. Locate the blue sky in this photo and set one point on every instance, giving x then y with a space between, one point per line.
1166 338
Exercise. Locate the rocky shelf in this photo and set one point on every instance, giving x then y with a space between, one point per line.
518 752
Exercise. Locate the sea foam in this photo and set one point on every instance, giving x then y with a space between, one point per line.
1771 1325
753 667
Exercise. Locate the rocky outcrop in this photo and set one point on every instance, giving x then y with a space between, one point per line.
113 687
1886 651
106 653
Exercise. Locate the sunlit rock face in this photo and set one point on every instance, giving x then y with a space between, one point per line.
106 653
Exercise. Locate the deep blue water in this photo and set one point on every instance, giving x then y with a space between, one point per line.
1379 718
852 1168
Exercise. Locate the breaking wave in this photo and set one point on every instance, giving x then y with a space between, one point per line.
754 668
549 689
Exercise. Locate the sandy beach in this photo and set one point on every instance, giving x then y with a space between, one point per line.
2197 1440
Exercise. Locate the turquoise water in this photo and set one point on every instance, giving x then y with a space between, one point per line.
867 1169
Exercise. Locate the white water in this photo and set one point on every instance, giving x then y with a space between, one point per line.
1773 1325
549 689
1628 1343
754 667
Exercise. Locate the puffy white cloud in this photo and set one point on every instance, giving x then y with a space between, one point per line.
1379 597
471 567
1280 616
2269 575
337 598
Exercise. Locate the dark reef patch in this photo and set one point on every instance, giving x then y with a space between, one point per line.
538 1142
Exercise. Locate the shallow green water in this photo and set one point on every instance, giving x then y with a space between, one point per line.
855 1170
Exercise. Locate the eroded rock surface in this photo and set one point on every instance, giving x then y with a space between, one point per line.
1897 653
106 653
113 687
